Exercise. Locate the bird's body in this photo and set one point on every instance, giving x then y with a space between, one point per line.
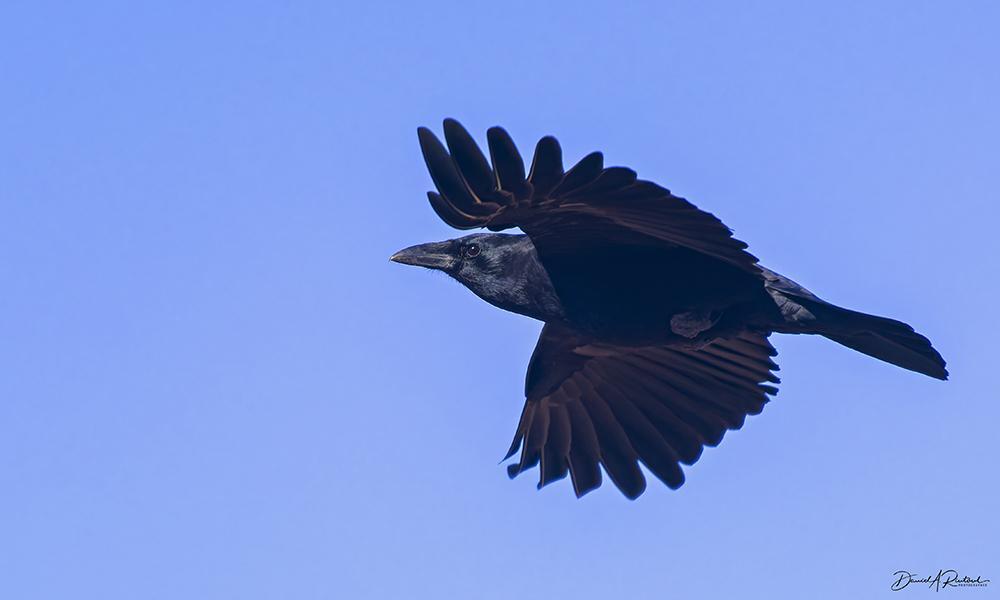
657 320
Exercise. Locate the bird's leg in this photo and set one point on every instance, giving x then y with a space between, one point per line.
691 324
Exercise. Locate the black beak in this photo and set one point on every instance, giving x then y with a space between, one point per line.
435 255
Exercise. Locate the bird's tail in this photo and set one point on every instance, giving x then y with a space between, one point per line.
889 340
886 339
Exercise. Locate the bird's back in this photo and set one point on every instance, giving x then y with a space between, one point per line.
630 294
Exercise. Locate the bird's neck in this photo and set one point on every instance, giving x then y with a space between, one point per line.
525 287
532 294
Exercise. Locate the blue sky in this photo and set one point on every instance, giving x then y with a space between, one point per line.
215 385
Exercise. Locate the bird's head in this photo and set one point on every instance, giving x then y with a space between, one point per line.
474 260
502 269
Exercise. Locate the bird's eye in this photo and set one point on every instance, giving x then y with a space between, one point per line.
471 251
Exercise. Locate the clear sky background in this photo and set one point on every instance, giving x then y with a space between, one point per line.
213 384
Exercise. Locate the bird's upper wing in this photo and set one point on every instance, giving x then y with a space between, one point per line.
589 405
564 211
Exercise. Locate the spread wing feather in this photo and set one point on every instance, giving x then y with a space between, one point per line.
592 406
560 210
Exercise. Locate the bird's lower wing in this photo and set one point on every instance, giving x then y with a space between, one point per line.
591 405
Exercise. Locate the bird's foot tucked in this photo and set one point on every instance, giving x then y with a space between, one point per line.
691 324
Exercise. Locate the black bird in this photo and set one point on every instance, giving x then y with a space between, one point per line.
656 318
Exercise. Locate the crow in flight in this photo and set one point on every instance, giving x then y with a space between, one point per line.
656 318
